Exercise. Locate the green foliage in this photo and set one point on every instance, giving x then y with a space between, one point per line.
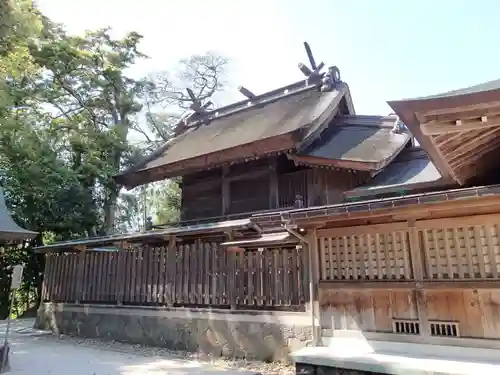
68 111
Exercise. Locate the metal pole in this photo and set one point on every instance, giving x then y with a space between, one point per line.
7 331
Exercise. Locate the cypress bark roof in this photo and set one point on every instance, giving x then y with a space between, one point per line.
296 110
358 139
411 169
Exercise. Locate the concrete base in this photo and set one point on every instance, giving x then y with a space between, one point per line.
257 335
363 356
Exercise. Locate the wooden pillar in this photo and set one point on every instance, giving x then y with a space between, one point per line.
313 305
120 276
170 269
231 272
273 184
226 191
79 278
418 274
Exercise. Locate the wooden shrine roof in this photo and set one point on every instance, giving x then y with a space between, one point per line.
283 117
356 142
411 169
151 235
460 129
459 202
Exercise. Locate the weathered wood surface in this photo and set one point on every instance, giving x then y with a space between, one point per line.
477 312
445 250
267 183
200 274
424 272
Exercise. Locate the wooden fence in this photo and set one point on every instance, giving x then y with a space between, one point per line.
450 249
366 257
197 275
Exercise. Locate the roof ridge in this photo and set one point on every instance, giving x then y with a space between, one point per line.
367 120
194 119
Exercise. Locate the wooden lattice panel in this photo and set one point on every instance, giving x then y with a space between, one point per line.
366 257
470 252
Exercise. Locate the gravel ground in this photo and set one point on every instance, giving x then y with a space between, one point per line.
274 368
46 348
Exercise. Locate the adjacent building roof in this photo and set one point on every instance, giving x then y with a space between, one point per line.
295 110
268 219
9 230
264 240
450 124
412 169
184 230
357 142
482 87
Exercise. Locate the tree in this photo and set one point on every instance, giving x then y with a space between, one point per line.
166 100
67 110
94 104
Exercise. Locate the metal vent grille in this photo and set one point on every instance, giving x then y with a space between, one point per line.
406 326
445 329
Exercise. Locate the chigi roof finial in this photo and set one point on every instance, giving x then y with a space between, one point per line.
196 105
315 73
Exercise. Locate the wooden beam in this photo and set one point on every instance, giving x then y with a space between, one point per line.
439 154
488 109
362 229
413 120
470 206
411 285
418 224
335 163
442 139
226 191
273 184
475 155
436 128
467 146
417 263
454 222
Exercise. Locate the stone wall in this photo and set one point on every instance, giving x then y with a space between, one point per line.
250 334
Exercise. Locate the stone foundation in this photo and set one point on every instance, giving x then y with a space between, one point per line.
251 334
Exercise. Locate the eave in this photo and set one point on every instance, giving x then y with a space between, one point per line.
460 132
351 165
263 148
447 203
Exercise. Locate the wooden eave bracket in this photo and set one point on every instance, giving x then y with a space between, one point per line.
459 125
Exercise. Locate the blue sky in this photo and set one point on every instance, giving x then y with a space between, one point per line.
385 49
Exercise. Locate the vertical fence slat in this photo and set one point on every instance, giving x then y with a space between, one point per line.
206 279
201 274
214 274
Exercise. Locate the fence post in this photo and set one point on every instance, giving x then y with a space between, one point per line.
79 279
120 277
417 269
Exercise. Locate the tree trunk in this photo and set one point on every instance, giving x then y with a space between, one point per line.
110 211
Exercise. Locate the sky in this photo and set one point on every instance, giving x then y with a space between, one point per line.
385 49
